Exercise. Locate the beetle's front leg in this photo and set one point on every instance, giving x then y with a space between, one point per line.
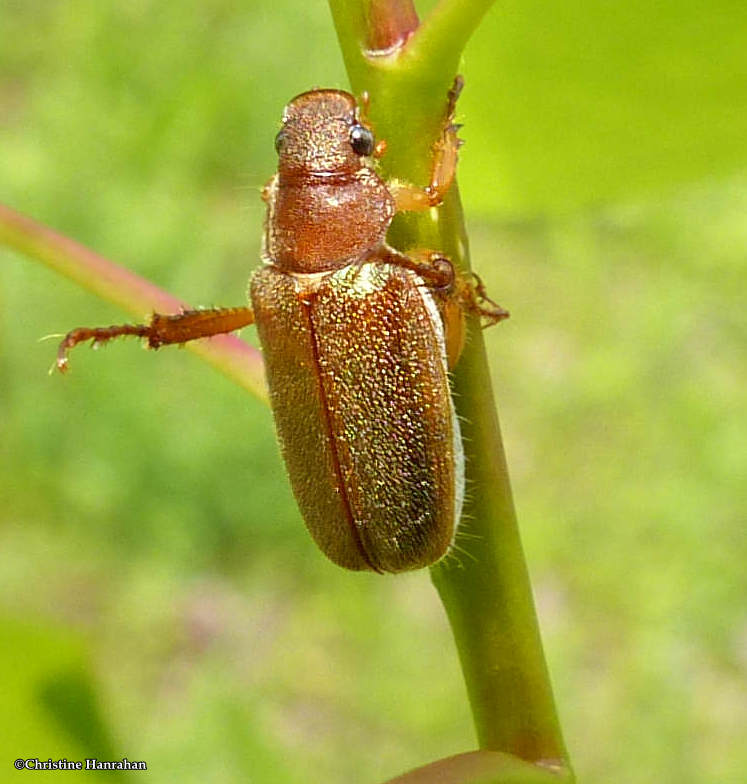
162 330
411 198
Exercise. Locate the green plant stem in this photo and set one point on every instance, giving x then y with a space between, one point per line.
485 588
239 361
446 30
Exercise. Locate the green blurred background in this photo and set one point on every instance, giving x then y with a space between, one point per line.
159 596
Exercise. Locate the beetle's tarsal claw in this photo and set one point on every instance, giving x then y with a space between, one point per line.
489 311
491 314
453 95
97 336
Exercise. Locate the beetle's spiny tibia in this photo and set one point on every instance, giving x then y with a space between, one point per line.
193 324
162 330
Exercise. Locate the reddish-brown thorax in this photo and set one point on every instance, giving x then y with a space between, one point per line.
326 206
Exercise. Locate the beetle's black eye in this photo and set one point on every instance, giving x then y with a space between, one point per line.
361 140
280 141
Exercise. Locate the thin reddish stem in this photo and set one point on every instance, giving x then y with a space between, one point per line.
124 288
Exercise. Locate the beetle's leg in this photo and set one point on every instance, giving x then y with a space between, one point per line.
470 292
161 330
453 96
440 275
411 198
435 269
466 295
447 148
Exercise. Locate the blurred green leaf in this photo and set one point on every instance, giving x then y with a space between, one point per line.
572 102
50 704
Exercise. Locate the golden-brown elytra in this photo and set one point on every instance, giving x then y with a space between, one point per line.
357 339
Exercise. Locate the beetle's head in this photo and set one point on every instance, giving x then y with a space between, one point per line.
322 134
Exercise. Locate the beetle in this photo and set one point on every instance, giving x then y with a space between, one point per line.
358 339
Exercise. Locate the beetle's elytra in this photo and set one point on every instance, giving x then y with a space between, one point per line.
357 338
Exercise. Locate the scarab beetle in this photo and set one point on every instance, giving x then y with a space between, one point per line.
357 338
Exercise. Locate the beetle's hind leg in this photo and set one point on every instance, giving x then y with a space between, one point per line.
162 330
